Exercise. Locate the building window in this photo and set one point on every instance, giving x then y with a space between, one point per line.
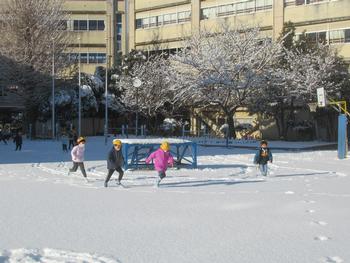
145 22
101 58
76 25
165 19
226 10
92 24
170 19
303 2
243 7
119 18
347 35
263 4
184 16
92 57
88 58
160 20
83 57
338 36
138 23
153 21
119 31
73 57
119 45
83 25
208 13
100 25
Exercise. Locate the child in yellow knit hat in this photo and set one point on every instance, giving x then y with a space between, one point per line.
115 161
162 157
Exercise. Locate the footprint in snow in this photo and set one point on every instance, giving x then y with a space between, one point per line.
321 223
310 211
51 255
309 201
334 259
321 238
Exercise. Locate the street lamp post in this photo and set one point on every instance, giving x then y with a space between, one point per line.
106 102
137 83
79 92
53 90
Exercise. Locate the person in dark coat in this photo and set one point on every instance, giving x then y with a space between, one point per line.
115 161
263 156
2 136
18 140
75 136
70 140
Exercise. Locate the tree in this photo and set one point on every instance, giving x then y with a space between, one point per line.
32 32
224 69
293 80
154 98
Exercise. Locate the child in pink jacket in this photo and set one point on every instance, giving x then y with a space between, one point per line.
77 154
162 157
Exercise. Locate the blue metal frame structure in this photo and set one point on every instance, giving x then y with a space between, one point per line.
135 154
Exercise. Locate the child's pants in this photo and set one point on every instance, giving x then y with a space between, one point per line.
111 171
161 174
18 147
75 168
64 147
263 169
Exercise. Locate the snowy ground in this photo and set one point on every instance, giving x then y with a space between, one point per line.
220 212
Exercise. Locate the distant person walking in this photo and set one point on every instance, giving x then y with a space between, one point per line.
70 140
75 136
64 141
77 154
162 158
262 157
115 162
3 136
18 141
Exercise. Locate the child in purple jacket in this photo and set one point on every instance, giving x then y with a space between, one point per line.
162 157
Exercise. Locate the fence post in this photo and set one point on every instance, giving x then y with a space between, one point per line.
30 131
342 136
125 154
57 130
194 154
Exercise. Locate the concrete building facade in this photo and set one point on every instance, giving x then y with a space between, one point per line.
164 23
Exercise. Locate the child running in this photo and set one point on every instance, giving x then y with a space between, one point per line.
115 161
162 157
77 154
262 156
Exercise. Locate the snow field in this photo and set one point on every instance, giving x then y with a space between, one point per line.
220 212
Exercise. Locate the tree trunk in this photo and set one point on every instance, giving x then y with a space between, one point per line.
291 117
231 125
282 123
